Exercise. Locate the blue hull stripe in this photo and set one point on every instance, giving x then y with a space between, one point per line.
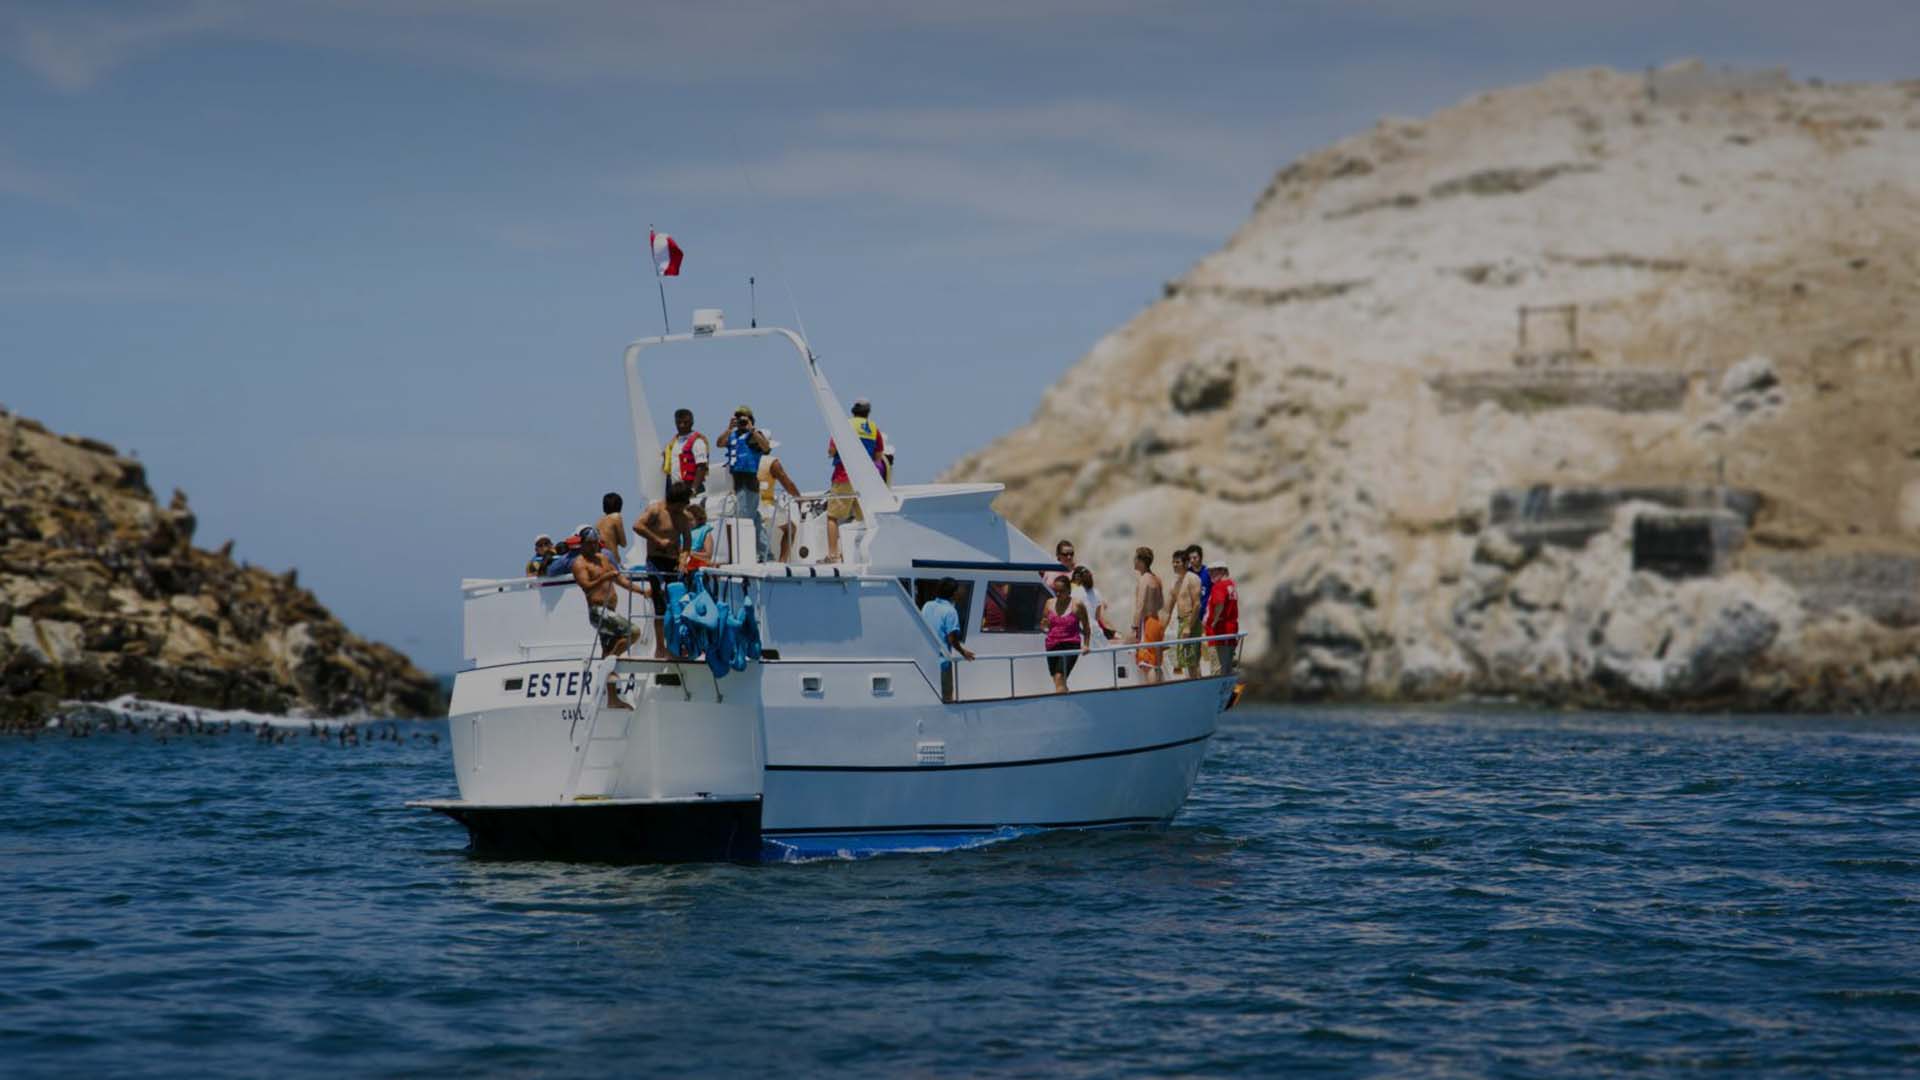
862 830
990 764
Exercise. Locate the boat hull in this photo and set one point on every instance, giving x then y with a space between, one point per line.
615 830
819 755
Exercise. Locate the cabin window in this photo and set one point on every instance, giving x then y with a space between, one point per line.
1013 607
925 589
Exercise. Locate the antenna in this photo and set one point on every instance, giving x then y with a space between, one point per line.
779 264
753 304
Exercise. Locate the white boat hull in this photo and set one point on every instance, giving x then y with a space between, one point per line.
818 765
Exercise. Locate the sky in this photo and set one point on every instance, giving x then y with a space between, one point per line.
358 274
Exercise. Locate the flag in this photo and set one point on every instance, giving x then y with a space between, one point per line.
666 254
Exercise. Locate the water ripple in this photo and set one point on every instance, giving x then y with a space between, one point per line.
1350 892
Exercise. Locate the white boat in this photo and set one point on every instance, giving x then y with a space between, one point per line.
841 734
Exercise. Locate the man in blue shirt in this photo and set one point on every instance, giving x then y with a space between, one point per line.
1197 562
944 620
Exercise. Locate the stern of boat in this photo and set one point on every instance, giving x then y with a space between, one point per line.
545 767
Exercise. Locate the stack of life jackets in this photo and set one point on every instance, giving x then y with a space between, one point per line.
696 623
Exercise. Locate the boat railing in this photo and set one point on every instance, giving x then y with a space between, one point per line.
802 513
969 680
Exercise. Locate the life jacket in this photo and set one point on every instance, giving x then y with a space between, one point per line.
739 635
742 455
766 480
696 542
692 618
871 440
689 468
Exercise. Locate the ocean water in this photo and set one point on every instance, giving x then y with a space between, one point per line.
1349 892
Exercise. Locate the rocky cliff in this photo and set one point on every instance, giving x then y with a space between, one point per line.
102 593
1598 390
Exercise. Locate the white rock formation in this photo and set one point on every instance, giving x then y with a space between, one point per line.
1332 401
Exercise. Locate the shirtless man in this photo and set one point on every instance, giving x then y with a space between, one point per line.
613 532
1149 601
665 526
1183 614
597 576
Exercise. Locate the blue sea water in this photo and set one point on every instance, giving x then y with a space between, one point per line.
1349 892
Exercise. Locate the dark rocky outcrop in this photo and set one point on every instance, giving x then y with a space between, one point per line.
103 593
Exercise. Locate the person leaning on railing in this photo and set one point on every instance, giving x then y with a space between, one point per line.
1069 632
944 620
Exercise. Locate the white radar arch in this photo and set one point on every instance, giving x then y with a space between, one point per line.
874 494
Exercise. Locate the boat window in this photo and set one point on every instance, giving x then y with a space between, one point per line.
1013 607
925 589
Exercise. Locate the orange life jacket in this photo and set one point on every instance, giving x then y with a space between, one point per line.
689 468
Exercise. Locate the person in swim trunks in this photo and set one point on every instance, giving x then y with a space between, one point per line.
1183 608
1149 601
667 528
597 577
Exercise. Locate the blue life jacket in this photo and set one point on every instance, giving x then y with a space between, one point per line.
742 455
693 622
740 641
562 565
700 610
673 629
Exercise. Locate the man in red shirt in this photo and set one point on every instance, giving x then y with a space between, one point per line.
1223 615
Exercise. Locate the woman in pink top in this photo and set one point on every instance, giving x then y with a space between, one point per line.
1068 634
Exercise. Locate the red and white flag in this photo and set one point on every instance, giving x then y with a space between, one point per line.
666 254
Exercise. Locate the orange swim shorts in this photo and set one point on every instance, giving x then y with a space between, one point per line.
1151 630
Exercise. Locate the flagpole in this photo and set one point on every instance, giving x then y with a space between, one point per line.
665 327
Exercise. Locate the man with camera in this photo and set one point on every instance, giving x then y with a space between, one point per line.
745 444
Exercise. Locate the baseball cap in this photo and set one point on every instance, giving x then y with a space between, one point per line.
861 402
541 537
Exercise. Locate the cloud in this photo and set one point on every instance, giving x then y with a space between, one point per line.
1071 165
73 47
32 277
1164 137
1029 191
70 46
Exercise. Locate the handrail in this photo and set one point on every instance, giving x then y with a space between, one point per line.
1129 646
1113 672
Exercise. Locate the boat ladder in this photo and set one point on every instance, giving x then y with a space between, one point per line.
597 757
